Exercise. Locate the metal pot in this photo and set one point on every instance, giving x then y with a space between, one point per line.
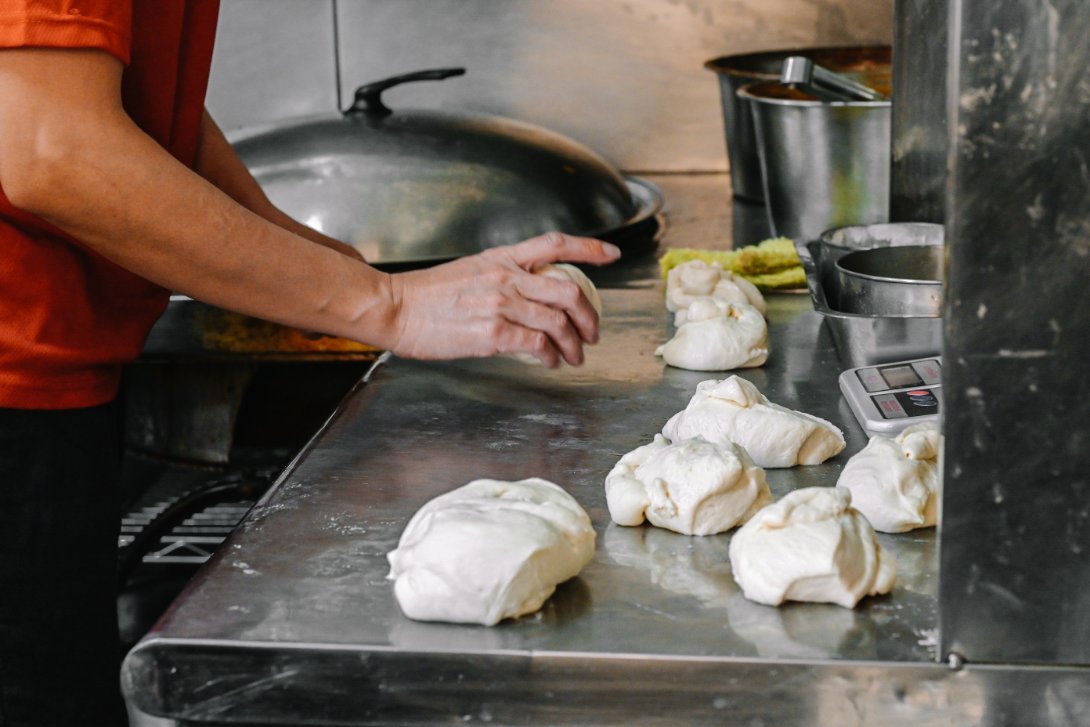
869 64
823 164
426 186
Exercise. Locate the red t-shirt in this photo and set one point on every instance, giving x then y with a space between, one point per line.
69 318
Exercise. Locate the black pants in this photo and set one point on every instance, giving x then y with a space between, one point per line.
59 516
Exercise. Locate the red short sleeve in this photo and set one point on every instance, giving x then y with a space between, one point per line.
102 24
70 318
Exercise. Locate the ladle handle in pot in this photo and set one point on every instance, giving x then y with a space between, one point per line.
368 98
824 84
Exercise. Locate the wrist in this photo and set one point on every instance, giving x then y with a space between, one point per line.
378 318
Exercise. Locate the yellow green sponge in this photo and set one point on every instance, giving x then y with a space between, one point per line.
772 264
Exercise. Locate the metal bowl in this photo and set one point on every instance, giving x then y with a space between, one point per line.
425 186
892 281
839 241
842 240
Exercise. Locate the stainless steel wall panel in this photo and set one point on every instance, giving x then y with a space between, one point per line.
625 77
918 170
274 59
1015 578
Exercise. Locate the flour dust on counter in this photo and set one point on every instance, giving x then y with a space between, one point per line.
489 550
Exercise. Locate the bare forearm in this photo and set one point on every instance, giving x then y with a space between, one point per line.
129 200
105 182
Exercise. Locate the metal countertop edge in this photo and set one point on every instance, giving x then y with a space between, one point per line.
235 644
338 411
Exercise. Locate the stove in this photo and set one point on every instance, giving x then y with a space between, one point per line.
181 501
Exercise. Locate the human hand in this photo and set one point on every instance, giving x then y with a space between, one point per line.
492 303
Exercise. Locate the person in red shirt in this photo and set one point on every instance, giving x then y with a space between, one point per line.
116 187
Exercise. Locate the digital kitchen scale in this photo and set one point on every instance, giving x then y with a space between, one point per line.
887 398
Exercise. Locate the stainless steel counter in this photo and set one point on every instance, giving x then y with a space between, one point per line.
294 621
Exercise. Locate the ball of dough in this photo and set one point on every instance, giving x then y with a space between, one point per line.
895 482
733 410
696 278
564 271
489 550
692 487
811 546
717 336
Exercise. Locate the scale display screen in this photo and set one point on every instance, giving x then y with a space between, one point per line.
899 377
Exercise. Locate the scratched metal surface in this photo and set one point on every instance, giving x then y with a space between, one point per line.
309 564
305 573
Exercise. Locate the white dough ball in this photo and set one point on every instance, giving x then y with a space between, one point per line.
564 271
811 546
734 410
717 336
696 278
895 482
489 550
692 487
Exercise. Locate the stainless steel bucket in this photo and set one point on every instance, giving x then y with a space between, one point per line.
868 64
823 164
892 281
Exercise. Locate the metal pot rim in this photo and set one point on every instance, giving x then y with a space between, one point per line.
747 92
859 254
736 64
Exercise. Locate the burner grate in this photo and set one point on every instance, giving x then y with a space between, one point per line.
193 541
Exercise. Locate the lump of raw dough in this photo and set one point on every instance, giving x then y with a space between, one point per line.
563 271
733 410
718 336
692 487
489 550
811 546
895 482
696 278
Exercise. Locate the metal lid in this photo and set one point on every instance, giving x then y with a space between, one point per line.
424 186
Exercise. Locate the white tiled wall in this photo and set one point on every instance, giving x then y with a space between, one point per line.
625 77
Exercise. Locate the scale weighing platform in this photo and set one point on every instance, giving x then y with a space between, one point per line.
888 398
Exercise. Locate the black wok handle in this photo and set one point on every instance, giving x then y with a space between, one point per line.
369 96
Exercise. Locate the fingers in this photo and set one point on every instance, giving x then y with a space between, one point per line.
563 295
490 303
555 329
525 341
555 246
